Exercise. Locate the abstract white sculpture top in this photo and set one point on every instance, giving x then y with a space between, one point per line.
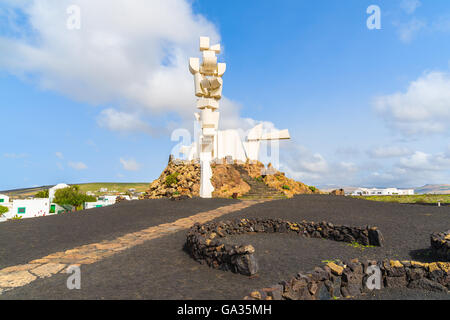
212 143
208 75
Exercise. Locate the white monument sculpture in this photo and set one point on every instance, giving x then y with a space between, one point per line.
211 143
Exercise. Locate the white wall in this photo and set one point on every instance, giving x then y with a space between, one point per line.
51 191
90 205
33 208
107 200
4 199
382 192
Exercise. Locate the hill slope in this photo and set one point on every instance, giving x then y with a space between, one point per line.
433 189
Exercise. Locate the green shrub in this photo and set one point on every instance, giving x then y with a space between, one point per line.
16 217
259 179
73 196
286 187
42 194
3 210
313 189
172 179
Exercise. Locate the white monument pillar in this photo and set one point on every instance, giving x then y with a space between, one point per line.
208 88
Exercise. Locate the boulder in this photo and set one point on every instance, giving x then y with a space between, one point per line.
338 192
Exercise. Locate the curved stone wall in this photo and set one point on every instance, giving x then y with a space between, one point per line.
440 244
205 245
351 279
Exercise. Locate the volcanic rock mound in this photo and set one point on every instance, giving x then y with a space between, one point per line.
182 178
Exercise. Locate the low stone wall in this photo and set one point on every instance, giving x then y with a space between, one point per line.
440 244
205 245
347 280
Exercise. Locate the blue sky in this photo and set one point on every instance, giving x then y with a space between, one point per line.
364 107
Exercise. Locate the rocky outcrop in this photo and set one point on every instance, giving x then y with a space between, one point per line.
182 178
227 181
338 192
258 189
204 243
289 187
440 244
120 199
179 178
338 280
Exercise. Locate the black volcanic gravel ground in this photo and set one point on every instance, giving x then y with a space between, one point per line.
28 239
160 269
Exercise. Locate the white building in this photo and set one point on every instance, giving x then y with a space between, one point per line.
91 205
29 208
103 201
4 199
382 192
51 191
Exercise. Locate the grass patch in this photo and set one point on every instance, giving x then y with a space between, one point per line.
420 198
331 261
359 246
172 179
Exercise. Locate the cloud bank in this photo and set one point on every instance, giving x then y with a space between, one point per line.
131 54
423 108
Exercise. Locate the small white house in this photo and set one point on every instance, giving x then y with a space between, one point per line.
382 192
29 208
97 204
102 201
107 198
4 199
51 191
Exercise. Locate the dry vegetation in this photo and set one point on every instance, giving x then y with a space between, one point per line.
425 198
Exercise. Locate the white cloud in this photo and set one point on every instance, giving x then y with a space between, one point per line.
15 155
133 54
130 164
418 169
426 162
410 6
300 163
442 24
407 31
389 152
59 155
120 121
132 57
423 108
349 166
411 169
77 165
